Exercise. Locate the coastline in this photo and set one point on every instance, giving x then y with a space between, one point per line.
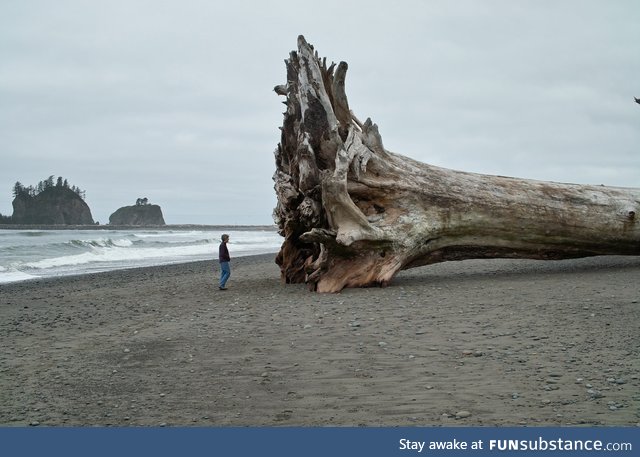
487 342
132 274
31 254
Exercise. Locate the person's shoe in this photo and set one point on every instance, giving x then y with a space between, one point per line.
222 288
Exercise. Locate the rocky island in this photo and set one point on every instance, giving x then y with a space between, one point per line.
141 214
50 204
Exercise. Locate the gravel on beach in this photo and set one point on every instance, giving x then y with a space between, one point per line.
486 342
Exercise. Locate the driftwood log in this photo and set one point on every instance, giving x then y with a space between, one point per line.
354 214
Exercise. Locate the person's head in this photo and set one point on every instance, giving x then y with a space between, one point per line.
225 238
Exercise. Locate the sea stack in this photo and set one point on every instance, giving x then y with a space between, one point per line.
140 214
52 205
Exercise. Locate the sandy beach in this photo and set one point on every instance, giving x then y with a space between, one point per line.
496 342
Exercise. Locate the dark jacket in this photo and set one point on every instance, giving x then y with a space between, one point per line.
223 253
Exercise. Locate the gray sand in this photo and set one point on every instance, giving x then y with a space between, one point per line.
491 342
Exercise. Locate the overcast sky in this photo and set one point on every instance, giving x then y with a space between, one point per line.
173 100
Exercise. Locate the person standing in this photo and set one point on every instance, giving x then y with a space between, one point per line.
223 257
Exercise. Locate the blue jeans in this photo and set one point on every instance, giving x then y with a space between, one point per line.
225 272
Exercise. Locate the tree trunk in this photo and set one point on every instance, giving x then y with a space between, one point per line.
354 214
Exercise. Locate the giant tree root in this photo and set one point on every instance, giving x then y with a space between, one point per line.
354 214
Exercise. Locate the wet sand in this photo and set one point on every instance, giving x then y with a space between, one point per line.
491 342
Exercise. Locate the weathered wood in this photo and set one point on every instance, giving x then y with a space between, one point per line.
354 214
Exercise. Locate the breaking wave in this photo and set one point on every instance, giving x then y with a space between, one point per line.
32 254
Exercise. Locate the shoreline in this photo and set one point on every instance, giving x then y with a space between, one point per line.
117 274
471 343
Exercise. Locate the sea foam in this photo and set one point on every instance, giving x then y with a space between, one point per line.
64 252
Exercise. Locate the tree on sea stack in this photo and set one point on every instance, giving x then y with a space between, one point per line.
354 214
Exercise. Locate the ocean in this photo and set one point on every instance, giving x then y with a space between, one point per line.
32 254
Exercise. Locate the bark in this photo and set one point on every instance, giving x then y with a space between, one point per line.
354 214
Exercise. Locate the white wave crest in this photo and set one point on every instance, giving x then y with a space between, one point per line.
134 256
13 276
103 242
66 252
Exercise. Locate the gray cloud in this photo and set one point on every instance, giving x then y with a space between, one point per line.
172 100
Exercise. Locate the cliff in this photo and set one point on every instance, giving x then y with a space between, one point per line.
53 206
137 215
